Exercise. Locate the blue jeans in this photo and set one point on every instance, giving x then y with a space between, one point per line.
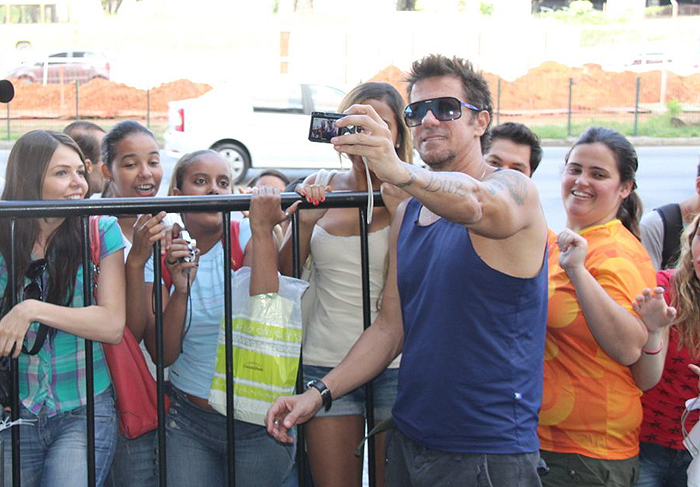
409 463
196 449
660 466
134 462
53 449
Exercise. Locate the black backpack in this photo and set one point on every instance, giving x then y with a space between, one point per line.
673 228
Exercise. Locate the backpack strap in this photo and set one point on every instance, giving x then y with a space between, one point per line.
236 254
236 251
673 228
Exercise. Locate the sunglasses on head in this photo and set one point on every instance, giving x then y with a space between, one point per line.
444 109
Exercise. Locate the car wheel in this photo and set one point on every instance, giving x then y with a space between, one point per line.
237 156
25 79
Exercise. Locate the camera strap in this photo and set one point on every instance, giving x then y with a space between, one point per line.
370 193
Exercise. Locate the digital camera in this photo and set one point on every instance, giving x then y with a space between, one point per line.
323 128
191 244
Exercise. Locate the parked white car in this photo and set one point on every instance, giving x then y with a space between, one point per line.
266 127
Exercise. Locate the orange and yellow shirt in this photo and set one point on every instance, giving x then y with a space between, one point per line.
591 404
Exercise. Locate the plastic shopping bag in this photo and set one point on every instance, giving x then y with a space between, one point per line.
692 442
267 335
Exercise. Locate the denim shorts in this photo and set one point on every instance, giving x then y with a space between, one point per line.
353 403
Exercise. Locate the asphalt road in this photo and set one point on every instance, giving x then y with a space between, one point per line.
666 174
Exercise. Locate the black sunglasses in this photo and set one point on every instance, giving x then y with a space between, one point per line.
35 273
444 109
35 290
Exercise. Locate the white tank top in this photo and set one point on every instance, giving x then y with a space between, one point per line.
335 315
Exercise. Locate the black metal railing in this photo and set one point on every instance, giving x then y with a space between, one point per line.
179 204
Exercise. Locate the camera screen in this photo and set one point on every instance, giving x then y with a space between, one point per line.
323 127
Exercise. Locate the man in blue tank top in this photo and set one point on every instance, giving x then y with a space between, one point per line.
465 298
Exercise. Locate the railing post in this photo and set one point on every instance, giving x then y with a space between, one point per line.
160 374
301 439
498 103
367 321
636 108
77 97
8 122
568 121
89 366
228 334
16 466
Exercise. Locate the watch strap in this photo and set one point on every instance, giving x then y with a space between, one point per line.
323 390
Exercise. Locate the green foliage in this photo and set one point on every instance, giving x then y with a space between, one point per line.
657 11
486 9
654 126
580 12
673 108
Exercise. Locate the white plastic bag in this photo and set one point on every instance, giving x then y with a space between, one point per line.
266 345
692 442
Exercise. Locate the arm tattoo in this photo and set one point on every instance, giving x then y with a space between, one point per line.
410 181
515 184
445 185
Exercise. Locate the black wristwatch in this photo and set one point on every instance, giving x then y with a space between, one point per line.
325 392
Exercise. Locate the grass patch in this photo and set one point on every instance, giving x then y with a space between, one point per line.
658 126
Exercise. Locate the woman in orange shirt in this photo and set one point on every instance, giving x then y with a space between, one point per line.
591 411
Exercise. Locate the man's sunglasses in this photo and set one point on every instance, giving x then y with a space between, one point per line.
444 109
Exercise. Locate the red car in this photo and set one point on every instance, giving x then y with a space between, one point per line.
64 67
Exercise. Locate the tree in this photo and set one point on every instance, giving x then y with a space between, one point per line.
406 5
111 6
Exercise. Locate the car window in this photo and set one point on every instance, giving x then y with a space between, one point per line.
59 54
25 14
279 98
50 14
325 98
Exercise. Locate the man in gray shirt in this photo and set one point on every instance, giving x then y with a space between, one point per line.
661 229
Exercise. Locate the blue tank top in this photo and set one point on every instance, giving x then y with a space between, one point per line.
470 379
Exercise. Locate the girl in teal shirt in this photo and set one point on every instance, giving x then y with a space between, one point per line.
46 165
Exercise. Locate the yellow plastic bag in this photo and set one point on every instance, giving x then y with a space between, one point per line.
267 337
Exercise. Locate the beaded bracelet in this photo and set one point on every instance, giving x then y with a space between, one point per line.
654 352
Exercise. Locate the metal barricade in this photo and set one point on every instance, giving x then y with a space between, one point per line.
177 204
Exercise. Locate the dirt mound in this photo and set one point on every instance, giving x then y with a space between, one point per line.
546 87
100 98
394 76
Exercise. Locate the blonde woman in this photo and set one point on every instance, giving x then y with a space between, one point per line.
334 318
664 370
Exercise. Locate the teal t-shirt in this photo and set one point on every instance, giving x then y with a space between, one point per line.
54 379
